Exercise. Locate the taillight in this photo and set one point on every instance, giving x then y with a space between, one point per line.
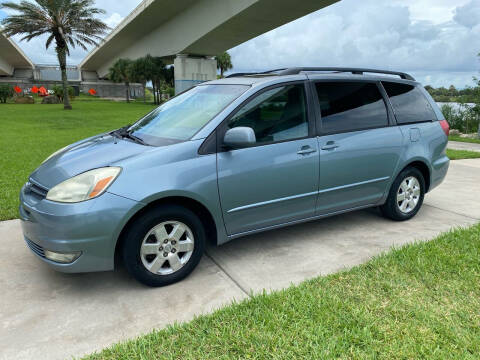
445 127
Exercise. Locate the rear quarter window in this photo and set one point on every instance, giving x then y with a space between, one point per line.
409 103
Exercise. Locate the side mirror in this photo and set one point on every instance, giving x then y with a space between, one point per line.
239 137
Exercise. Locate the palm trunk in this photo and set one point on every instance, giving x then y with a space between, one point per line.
128 91
62 59
478 131
154 89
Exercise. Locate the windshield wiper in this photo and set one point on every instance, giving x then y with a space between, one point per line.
134 138
124 133
120 132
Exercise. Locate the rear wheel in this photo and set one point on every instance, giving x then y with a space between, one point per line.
406 195
164 245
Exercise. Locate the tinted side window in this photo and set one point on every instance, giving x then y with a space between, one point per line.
350 106
409 103
275 115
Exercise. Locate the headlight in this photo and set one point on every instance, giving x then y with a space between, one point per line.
85 186
55 153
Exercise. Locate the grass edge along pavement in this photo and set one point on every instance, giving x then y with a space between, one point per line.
419 301
463 139
462 154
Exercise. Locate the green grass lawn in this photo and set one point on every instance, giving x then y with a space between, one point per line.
29 133
462 154
462 139
418 302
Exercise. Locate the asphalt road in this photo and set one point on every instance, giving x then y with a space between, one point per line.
48 315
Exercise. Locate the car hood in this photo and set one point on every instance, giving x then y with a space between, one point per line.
88 154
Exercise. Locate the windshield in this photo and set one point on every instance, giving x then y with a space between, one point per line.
182 117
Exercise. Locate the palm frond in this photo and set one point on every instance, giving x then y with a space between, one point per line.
49 41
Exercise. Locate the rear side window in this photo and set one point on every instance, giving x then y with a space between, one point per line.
350 106
409 103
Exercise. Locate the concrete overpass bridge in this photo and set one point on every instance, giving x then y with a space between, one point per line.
189 33
12 58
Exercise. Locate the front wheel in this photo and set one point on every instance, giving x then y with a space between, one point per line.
164 245
406 195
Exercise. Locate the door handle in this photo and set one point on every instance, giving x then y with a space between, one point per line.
330 146
306 150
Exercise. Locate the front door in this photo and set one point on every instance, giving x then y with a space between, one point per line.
275 181
359 150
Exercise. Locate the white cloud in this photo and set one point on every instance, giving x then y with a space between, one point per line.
372 34
435 11
113 20
469 14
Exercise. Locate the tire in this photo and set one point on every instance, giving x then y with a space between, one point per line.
413 198
153 245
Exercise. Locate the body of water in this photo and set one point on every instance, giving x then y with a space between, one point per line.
456 106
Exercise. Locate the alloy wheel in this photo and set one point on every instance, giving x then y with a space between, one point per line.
167 247
408 194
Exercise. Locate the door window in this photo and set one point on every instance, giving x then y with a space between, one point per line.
350 106
275 115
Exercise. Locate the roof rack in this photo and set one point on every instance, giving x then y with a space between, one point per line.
355 71
254 73
298 70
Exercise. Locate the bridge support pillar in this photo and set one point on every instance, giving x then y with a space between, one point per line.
190 70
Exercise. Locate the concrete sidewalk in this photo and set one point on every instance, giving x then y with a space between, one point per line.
48 315
458 145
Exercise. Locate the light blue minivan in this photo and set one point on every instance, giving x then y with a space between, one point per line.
233 157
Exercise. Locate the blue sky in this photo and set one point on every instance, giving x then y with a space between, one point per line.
435 40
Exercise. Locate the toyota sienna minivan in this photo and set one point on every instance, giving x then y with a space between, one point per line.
233 157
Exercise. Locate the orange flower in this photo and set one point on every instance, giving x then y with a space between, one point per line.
17 89
43 91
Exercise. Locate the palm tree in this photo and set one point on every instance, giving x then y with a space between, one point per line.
68 22
123 71
141 72
150 64
224 62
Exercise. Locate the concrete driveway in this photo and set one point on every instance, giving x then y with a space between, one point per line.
48 315
459 145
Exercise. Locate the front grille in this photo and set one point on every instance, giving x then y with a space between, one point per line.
37 249
36 189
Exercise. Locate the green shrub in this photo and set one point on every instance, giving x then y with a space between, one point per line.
465 119
454 117
6 91
58 91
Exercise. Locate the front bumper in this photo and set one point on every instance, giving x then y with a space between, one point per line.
91 227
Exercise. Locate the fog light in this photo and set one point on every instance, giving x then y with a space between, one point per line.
63 258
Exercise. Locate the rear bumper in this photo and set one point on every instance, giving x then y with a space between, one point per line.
91 227
439 171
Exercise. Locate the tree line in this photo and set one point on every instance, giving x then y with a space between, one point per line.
144 70
470 94
153 69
